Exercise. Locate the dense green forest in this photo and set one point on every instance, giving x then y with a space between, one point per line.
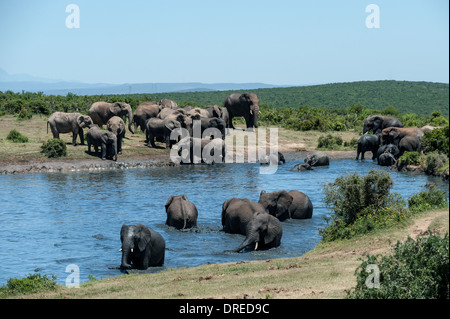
335 107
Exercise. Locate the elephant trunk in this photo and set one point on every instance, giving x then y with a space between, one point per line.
130 117
366 128
249 240
114 149
125 264
255 117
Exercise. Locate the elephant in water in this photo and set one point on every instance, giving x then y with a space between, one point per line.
237 213
104 139
386 159
317 159
284 205
272 159
409 144
61 122
142 247
117 126
181 213
200 151
101 112
377 123
368 142
245 105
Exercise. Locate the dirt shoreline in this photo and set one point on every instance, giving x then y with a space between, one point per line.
72 165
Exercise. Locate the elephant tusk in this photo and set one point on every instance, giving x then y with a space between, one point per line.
120 249
131 249
256 246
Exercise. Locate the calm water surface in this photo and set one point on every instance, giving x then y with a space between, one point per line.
49 221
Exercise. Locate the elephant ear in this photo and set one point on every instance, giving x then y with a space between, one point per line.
81 121
216 111
144 238
273 229
115 108
284 199
169 201
172 124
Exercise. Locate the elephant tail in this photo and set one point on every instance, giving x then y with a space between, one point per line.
183 211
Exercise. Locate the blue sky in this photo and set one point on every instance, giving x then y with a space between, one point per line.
279 42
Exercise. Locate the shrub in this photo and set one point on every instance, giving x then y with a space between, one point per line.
17 137
436 140
434 162
31 284
24 114
329 141
417 269
427 199
54 147
361 204
409 158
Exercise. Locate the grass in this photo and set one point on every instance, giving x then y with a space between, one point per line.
325 272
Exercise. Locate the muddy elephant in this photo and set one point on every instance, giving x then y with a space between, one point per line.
104 139
142 247
181 213
317 159
390 148
245 105
143 112
377 123
393 135
285 205
264 231
367 142
101 112
201 150
237 213
74 123
386 159
116 125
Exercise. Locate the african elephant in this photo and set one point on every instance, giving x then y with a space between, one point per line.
154 129
214 111
302 167
367 142
386 159
166 103
61 122
317 159
212 122
284 205
145 111
209 151
116 125
101 112
237 213
198 111
264 231
142 247
176 121
272 159
377 123
165 112
395 134
181 213
409 144
104 139
390 148
245 105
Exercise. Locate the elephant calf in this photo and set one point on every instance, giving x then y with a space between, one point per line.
317 159
104 139
142 247
74 123
284 205
117 126
181 213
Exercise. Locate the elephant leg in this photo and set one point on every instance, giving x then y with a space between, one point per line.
230 121
119 145
80 132
104 148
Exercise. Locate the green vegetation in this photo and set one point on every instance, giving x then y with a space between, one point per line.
16 137
329 142
436 140
417 269
432 198
31 284
54 148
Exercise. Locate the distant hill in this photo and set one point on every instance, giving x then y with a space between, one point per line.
406 96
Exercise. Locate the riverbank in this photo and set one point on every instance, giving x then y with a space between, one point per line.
325 272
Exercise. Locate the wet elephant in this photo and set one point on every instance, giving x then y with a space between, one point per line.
386 159
74 123
142 247
199 150
101 112
367 142
181 213
317 159
237 213
377 123
245 105
283 205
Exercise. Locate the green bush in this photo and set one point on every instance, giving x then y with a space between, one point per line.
24 114
427 199
54 147
436 140
434 162
31 284
329 141
16 137
409 158
361 204
417 269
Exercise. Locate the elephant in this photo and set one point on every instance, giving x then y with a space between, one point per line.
302 167
245 105
214 111
116 125
264 231
377 123
272 159
390 148
237 213
166 103
181 213
212 122
176 121
103 138
198 111
283 205
161 129
368 142
165 112
142 247
154 129
101 112
145 111
317 159
409 144
210 151
61 122
427 128
395 134
386 159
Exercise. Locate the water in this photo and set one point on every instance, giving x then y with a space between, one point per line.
50 221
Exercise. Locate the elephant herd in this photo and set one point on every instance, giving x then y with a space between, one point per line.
259 222
389 139
157 119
